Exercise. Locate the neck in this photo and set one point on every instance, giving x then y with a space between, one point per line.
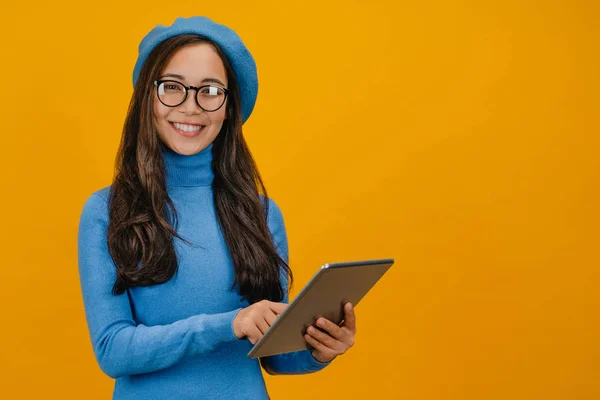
192 170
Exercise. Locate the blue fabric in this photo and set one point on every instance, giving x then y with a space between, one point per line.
239 56
175 340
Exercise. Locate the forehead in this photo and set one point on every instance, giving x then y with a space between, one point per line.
196 62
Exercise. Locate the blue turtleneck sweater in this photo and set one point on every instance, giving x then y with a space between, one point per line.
175 340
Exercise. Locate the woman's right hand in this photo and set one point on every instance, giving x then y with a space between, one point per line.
253 321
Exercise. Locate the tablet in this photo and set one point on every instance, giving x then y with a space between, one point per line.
323 296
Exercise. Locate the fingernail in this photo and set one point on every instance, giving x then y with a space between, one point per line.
320 322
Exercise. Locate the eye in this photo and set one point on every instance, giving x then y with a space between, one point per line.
210 91
171 92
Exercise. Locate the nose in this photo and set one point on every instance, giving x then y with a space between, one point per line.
189 106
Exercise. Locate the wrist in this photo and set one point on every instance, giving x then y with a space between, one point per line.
321 359
235 326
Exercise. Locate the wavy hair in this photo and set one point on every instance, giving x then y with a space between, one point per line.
142 217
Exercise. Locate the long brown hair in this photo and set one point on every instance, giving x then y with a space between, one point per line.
143 218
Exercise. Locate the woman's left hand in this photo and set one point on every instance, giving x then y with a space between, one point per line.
337 340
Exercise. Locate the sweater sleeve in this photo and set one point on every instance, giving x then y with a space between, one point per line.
299 362
121 346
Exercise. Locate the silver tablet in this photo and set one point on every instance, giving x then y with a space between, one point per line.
324 296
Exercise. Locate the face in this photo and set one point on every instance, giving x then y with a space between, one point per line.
193 65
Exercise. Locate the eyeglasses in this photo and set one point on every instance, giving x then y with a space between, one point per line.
208 97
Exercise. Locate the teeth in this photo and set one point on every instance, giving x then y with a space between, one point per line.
187 128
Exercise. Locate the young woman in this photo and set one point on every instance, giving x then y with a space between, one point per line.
183 259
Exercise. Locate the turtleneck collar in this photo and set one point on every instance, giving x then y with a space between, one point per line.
192 170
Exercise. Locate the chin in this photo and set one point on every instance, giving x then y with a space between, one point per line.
188 149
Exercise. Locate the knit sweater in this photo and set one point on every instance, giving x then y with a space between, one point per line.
175 340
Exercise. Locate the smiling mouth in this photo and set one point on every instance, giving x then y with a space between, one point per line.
187 129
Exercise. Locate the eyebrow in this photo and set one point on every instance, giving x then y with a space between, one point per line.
205 80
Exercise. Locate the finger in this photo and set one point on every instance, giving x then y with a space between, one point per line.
270 317
277 308
324 338
320 347
262 325
331 328
254 335
349 317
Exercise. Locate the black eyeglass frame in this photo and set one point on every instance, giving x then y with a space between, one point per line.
187 88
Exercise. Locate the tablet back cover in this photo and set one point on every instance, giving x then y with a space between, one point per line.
324 296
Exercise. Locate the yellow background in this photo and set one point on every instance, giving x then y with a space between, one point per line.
460 137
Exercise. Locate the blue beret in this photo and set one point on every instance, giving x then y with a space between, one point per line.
239 56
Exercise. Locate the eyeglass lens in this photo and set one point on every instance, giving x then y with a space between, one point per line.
172 94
